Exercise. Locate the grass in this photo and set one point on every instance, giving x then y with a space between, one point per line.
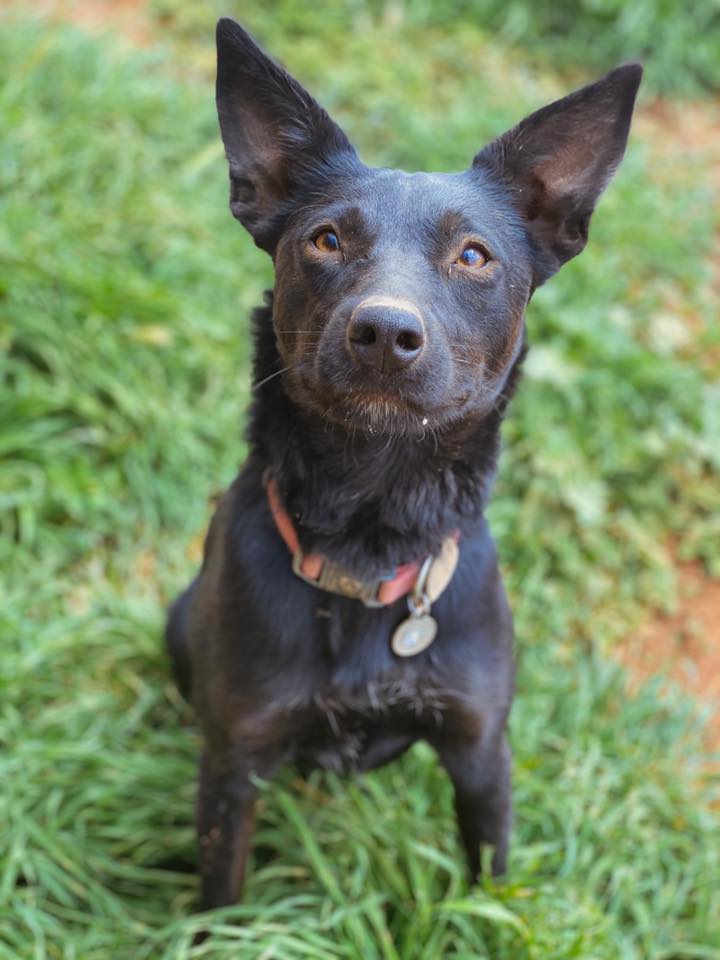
679 40
124 293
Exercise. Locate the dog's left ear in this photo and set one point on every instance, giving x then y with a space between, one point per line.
559 160
276 136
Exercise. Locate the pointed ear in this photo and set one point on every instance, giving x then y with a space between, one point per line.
276 136
559 160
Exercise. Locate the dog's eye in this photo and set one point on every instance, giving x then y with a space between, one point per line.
473 256
327 241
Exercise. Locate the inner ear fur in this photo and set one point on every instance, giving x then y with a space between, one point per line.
559 160
276 135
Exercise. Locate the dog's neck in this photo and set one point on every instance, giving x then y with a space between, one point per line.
369 502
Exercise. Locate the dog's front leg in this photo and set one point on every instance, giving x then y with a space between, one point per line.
225 820
480 772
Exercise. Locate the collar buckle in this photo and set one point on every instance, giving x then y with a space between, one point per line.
334 579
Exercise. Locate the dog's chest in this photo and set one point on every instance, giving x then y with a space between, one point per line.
349 729
363 700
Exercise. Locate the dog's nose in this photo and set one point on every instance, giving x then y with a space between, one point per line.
385 337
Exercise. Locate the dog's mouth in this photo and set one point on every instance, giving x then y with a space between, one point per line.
389 412
383 413
370 409
413 403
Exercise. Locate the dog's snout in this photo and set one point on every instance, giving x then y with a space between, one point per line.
385 337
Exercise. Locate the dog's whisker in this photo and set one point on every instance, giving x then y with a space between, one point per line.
261 383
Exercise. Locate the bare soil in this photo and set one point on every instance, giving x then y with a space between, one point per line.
683 646
129 18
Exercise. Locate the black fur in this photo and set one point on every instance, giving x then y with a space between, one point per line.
382 369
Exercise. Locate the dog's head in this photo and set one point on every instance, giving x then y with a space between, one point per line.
399 298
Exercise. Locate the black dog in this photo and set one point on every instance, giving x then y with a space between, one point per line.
384 361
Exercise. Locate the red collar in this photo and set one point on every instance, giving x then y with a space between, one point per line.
325 575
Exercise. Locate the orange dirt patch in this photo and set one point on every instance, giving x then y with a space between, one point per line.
684 130
684 645
127 17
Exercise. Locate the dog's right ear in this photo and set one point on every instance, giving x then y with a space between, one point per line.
276 136
559 160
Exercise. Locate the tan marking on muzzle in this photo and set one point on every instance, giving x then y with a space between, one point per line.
397 303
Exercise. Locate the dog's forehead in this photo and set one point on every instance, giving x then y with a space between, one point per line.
394 201
417 184
418 194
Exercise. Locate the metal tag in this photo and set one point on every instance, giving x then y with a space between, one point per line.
442 569
413 635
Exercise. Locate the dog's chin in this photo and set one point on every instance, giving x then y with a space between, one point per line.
382 414
371 412
386 412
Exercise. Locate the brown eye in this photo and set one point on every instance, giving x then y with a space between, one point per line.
472 256
327 241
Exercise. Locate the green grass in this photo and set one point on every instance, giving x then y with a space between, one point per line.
678 40
124 293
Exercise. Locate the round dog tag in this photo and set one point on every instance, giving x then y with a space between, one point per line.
413 635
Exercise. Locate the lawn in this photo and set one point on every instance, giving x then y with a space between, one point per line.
125 289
